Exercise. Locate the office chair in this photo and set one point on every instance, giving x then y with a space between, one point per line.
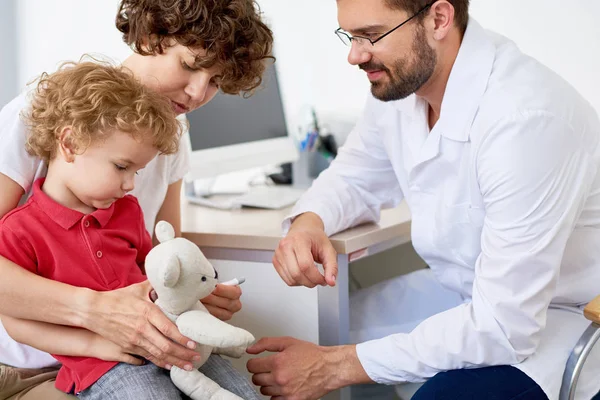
581 351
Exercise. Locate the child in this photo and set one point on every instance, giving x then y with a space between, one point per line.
95 126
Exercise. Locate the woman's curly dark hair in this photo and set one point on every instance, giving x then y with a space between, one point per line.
231 31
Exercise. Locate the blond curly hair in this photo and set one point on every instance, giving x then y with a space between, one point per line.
231 31
95 99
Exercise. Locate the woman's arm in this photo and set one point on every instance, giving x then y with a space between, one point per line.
65 340
125 316
11 194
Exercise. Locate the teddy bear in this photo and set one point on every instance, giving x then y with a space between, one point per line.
181 275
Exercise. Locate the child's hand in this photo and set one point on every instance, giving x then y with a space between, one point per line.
106 350
223 302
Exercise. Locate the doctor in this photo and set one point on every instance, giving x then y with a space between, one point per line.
497 158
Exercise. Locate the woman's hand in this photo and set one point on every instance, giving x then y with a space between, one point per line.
128 318
224 301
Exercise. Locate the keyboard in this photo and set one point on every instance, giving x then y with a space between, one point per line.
268 197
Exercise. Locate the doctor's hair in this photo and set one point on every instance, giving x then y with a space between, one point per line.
231 31
461 10
94 100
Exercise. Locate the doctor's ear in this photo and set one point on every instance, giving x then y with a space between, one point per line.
443 18
66 145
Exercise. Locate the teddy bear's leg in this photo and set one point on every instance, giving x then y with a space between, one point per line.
197 386
235 352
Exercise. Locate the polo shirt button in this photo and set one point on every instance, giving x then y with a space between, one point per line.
86 224
99 254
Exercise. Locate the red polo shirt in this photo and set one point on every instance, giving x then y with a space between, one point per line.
104 250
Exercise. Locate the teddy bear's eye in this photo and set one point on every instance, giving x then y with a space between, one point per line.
203 279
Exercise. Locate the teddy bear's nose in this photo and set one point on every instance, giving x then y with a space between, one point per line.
216 274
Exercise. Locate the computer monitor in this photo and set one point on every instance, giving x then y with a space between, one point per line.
232 133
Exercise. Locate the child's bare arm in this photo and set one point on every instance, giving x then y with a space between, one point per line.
65 340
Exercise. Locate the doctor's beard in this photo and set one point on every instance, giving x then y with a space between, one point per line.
405 77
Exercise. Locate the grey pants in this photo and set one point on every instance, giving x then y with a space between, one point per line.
149 382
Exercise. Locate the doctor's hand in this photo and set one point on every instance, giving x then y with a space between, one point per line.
301 370
224 301
128 318
305 244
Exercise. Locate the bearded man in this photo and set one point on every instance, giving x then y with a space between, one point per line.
497 158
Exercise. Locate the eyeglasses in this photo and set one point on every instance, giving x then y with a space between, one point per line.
347 39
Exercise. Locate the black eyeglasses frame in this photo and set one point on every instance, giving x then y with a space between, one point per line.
340 32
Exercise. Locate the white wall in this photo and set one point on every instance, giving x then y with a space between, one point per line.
311 60
563 34
52 31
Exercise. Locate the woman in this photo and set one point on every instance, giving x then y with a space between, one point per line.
185 50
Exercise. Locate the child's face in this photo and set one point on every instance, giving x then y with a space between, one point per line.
106 170
172 74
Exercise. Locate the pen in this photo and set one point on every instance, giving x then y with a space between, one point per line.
315 121
234 282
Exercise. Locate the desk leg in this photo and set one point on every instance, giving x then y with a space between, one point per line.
334 317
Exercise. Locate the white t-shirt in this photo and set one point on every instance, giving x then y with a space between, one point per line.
150 189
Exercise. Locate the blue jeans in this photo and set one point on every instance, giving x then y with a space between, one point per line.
149 382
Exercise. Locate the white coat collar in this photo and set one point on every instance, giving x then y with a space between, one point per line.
466 85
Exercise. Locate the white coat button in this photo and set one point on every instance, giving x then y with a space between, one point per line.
99 254
86 224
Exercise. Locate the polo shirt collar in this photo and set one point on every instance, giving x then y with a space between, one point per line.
64 216
104 215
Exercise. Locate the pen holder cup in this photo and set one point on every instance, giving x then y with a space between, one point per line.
317 163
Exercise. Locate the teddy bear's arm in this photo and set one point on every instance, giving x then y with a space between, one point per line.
205 329
234 352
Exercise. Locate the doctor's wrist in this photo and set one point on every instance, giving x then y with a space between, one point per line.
344 367
307 220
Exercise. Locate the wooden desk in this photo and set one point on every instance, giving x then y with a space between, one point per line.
255 229
252 235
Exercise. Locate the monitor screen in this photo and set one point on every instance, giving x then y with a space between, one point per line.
229 120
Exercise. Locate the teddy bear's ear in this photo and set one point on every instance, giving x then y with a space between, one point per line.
164 231
170 271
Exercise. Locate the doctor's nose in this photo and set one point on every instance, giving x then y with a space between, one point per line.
358 53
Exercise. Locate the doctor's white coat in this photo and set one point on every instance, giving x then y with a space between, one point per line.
504 193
